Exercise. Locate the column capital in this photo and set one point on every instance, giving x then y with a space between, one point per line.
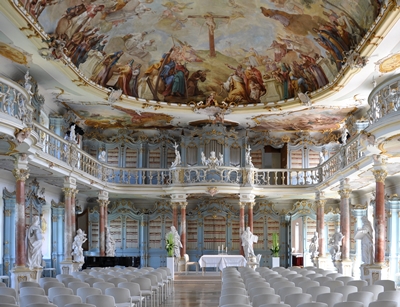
69 191
74 192
380 174
320 203
345 189
21 174
103 195
183 204
242 204
103 202
247 197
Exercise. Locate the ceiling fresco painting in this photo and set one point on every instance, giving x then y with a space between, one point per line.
315 119
240 51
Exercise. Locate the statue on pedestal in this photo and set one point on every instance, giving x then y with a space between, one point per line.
77 250
365 234
34 244
336 243
313 249
177 161
110 244
248 239
177 241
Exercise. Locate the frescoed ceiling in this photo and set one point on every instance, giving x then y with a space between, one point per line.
145 64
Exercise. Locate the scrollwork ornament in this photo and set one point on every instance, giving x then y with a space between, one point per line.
380 175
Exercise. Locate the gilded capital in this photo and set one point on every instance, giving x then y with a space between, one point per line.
344 193
242 204
320 203
380 175
183 204
21 174
68 192
103 202
74 192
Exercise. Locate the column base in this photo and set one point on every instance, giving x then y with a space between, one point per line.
68 266
19 274
345 267
374 272
323 262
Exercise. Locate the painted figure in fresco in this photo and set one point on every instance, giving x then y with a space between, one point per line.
248 239
77 250
177 241
34 244
366 235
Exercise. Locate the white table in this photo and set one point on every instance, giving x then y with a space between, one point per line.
221 261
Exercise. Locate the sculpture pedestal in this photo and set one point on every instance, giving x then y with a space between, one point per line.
19 274
374 272
67 267
345 267
325 263
171 266
275 262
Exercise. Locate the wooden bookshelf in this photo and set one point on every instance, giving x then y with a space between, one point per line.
132 233
214 232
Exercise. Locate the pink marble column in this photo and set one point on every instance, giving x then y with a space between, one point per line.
380 176
250 216
320 202
73 204
183 227
20 175
344 193
241 223
68 217
175 215
103 203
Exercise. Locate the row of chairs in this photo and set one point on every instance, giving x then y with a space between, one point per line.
294 286
138 286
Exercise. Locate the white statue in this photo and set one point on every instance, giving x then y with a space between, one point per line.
313 249
34 244
177 157
345 134
248 157
72 135
221 159
365 234
102 156
177 241
336 243
110 244
248 239
28 83
77 250
203 158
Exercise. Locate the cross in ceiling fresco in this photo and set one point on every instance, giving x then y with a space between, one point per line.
210 22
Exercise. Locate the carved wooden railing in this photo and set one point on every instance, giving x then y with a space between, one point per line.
14 101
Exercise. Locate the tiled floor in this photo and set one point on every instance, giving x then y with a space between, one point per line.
195 290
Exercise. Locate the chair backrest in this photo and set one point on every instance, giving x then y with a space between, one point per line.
79 305
58 291
117 280
42 305
233 284
283 292
92 280
274 305
8 299
333 284
375 289
233 299
282 284
60 277
75 285
330 298
388 285
8 291
121 295
134 288
315 291
361 296
345 290
31 290
389 296
23 284
32 299
299 280
345 279
227 291
67 280
103 285
85 292
358 283
43 280
334 275
51 284
259 290
8 305
297 298
307 284
313 304
64 299
383 304
322 279
349 304
101 300
260 299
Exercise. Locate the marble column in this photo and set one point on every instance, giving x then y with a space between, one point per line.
103 203
69 189
21 174
183 227
250 215
174 215
346 265
344 193
73 205
358 211
380 174
320 202
242 205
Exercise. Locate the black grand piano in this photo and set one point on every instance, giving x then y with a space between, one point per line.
100 261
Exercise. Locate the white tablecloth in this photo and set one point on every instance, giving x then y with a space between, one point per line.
221 261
